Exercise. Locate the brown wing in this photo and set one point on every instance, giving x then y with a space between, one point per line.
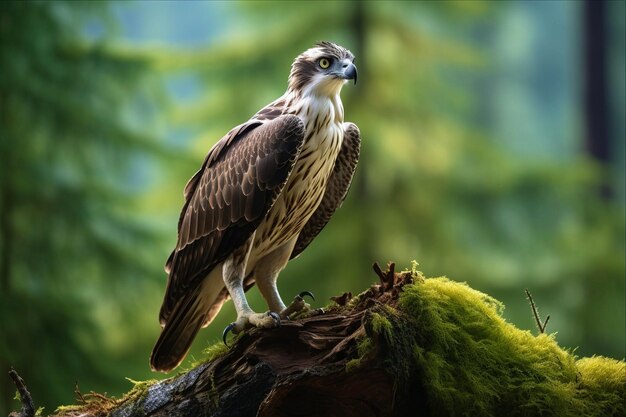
226 200
336 189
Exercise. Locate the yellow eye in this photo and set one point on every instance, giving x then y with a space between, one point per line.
324 63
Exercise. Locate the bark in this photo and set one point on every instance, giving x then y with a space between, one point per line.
296 370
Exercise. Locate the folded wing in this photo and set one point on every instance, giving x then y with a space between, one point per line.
227 198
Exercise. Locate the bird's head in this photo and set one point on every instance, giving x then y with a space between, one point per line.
322 70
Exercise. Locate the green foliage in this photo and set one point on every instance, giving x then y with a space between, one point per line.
74 257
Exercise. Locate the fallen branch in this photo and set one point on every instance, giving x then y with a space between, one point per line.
28 407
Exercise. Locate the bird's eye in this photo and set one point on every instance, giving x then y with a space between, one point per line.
324 63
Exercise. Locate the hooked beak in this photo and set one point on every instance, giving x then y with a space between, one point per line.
349 72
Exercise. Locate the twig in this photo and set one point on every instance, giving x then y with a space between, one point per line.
28 407
79 396
391 275
540 326
342 299
386 278
379 272
102 398
391 267
545 323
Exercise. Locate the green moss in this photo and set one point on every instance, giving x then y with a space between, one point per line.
97 404
470 361
215 351
62 409
353 364
212 352
214 393
140 388
382 326
602 381
365 349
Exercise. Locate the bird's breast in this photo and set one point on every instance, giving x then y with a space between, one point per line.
305 187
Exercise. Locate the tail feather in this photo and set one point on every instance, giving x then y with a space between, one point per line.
179 332
194 310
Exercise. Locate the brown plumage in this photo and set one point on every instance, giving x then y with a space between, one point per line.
263 193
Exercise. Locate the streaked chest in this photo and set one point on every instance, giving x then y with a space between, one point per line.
305 187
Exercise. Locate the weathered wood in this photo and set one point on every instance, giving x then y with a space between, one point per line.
296 370
28 407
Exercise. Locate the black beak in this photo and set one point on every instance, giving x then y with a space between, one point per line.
350 72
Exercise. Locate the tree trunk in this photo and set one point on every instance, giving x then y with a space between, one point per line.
597 108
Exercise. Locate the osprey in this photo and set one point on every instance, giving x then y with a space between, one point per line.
263 193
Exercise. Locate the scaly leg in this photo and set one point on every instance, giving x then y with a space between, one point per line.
233 271
266 273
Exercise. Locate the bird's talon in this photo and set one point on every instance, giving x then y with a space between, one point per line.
309 293
228 328
275 316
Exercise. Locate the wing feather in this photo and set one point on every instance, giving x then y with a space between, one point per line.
226 200
336 188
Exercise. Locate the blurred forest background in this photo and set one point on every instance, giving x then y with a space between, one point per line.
493 153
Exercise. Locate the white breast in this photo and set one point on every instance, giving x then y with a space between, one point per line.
323 121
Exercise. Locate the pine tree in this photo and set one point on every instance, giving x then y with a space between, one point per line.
70 252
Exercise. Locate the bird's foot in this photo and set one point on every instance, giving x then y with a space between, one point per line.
298 307
261 320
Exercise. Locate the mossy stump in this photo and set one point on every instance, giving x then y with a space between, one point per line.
407 346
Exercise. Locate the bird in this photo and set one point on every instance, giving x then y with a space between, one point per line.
263 193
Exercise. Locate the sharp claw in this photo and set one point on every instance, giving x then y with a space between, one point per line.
225 333
309 293
275 316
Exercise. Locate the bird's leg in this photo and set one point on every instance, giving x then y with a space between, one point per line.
266 273
233 272
269 291
297 307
